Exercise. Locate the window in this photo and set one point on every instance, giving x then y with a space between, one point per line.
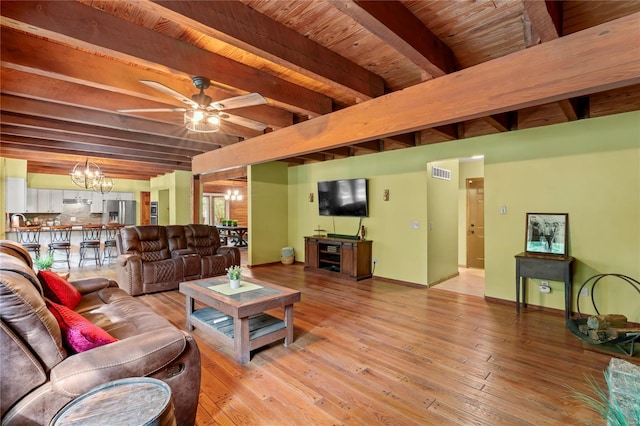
214 208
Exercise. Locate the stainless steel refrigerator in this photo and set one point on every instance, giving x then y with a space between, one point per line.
119 211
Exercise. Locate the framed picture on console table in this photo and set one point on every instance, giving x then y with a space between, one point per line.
547 234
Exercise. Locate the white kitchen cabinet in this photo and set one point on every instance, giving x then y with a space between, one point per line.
73 194
96 202
15 195
51 200
44 200
32 200
119 196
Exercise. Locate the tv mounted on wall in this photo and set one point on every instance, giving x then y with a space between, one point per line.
346 197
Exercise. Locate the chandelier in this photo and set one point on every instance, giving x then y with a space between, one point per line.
233 196
105 186
88 175
201 121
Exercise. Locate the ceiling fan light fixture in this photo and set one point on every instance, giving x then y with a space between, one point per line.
200 121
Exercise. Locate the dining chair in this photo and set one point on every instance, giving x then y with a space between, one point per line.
90 241
29 238
110 251
60 241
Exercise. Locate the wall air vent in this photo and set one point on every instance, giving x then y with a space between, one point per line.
439 173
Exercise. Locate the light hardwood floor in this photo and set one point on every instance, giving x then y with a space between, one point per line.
379 353
470 281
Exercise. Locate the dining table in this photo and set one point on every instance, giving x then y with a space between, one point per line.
237 234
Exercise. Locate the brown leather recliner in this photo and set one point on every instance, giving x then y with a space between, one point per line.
145 264
215 258
38 376
158 258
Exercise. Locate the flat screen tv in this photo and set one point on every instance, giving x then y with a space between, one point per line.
346 197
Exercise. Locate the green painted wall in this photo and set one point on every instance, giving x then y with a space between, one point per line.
600 193
39 180
9 167
588 168
174 206
442 223
268 213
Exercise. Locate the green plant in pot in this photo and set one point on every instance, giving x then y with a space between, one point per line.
43 262
234 273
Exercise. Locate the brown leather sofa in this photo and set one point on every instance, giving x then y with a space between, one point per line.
38 376
156 258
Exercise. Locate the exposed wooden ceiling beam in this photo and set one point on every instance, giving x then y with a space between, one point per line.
55 125
225 175
79 68
344 151
84 121
447 131
63 142
608 59
239 25
406 140
369 146
398 27
100 31
45 87
545 20
59 163
502 122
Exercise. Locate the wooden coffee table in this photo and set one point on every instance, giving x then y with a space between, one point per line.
236 317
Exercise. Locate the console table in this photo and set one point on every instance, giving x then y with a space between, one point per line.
343 256
544 268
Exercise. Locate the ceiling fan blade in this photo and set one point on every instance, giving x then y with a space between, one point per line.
153 110
239 101
169 91
242 121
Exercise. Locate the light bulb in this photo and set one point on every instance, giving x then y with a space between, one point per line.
198 116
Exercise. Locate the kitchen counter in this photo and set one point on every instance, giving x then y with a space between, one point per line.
44 228
45 237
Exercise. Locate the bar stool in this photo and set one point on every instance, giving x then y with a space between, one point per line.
90 240
60 241
110 251
29 238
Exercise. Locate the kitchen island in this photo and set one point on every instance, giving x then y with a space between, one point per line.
76 239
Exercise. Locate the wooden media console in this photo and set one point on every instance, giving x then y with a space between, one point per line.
343 256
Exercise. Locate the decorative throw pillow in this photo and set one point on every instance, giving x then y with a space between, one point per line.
79 333
58 289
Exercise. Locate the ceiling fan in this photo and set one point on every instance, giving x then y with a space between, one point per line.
203 115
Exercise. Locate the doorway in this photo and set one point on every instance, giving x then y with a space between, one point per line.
145 208
475 222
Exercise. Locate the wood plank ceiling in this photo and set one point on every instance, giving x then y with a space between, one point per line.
68 67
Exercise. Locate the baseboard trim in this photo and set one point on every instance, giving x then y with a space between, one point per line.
441 280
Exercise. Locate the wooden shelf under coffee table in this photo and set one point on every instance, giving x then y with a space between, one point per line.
238 320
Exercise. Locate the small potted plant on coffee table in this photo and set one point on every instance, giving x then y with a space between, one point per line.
234 273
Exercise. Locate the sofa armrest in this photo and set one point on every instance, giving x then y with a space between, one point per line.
134 356
182 252
234 251
129 273
89 285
